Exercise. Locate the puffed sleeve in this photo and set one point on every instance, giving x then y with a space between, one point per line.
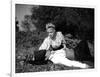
45 45
62 37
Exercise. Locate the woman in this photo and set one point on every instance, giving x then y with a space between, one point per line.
55 46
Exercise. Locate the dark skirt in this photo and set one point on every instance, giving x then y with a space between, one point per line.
39 57
82 52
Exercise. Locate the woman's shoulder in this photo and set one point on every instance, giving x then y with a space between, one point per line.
46 38
59 33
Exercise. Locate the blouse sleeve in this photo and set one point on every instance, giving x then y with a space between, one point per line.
62 38
44 45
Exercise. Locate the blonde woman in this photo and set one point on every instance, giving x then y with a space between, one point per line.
55 46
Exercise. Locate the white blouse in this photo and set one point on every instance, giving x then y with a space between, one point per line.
59 39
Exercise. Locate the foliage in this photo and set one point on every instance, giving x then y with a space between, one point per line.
77 21
28 24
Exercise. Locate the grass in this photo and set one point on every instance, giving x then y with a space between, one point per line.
44 67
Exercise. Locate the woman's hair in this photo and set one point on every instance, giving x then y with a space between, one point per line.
50 25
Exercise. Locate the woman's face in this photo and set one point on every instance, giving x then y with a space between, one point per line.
51 32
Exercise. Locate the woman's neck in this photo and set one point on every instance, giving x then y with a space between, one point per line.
54 36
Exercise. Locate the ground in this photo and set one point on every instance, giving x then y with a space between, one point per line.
26 45
46 67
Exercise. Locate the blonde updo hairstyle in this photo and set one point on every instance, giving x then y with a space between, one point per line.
50 25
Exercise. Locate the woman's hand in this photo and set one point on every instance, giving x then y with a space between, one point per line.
47 54
65 48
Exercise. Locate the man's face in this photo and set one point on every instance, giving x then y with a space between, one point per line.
51 32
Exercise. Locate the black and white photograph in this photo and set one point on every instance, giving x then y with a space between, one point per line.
53 38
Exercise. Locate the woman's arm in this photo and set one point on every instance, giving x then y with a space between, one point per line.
64 47
63 41
44 45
